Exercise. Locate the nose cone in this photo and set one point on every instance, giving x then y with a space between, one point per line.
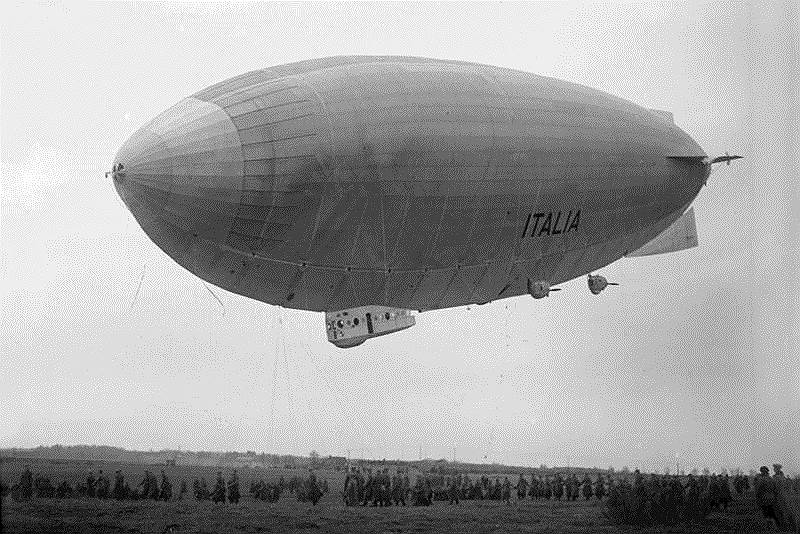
181 170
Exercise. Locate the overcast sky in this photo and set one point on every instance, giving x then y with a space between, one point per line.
695 355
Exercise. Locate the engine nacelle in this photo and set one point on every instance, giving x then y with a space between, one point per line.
597 283
352 327
540 289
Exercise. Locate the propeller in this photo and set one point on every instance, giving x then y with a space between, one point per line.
727 158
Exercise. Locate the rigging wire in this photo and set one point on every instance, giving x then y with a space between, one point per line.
138 288
215 296
289 394
311 383
274 386
332 385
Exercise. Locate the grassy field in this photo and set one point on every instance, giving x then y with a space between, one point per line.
288 515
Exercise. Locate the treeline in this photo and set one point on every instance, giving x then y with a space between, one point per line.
161 457
234 459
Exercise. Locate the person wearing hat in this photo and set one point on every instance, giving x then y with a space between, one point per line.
218 495
522 487
766 493
26 483
165 494
119 485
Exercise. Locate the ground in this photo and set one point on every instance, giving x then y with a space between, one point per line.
288 515
82 515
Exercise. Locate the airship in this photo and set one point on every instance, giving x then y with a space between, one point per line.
373 187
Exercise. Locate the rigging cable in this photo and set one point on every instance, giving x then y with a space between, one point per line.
289 395
274 385
138 288
328 382
214 295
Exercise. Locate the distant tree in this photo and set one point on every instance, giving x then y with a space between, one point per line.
706 471
314 455
723 471
626 470
611 469
666 470
543 467
694 472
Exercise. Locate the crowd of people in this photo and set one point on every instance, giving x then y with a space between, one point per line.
379 489
773 495
362 488
306 489
382 489
628 498
222 489
101 487
666 499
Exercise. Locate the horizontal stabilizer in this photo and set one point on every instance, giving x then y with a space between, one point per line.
680 235
727 158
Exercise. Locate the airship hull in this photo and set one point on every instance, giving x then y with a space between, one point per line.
403 182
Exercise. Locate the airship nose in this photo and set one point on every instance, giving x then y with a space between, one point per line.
181 170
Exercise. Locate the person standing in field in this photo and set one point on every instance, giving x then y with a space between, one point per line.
153 486
351 488
199 491
166 488
558 487
119 486
725 496
522 487
386 496
599 487
90 484
314 491
453 490
506 493
233 488
568 488
586 487
766 495
103 486
575 485
184 489
145 485
396 487
218 495
535 491
26 484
